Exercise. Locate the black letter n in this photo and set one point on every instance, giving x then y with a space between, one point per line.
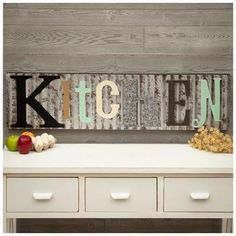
22 101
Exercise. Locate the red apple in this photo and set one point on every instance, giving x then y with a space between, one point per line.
24 144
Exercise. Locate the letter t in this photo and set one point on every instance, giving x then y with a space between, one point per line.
82 90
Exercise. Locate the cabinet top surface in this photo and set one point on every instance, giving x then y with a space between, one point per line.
118 158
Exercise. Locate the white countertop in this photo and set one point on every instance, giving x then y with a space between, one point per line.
118 158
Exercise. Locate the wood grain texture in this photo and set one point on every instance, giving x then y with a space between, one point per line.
60 225
72 39
120 6
200 40
162 226
132 17
117 60
118 226
173 63
123 63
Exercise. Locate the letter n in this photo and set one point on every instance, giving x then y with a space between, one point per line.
206 96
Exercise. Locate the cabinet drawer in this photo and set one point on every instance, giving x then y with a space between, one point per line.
198 194
42 194
121 194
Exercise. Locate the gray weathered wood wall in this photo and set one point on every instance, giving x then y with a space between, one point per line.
118 38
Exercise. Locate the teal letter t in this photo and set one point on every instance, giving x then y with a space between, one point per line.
82 90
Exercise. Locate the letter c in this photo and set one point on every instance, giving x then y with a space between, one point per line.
99 106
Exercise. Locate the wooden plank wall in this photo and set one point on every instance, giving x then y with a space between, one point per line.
176 38
118 38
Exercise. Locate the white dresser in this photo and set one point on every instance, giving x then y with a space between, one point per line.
118 181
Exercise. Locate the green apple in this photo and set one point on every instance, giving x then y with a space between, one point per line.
11 142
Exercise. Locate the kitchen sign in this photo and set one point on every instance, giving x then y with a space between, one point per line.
117 101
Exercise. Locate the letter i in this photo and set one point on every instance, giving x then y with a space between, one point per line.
66 99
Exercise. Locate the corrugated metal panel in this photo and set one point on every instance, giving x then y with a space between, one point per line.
143 100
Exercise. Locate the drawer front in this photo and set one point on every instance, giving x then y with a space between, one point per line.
42 194
198 194
121 194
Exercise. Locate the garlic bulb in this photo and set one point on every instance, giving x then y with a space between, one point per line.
38 144
44 135
51 140
43 142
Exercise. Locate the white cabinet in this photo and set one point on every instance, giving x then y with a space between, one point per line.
42 194
198 194
118 181
121 194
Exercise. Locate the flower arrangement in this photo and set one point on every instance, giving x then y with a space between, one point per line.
212 140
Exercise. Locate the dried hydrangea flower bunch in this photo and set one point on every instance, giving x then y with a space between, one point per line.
212 140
